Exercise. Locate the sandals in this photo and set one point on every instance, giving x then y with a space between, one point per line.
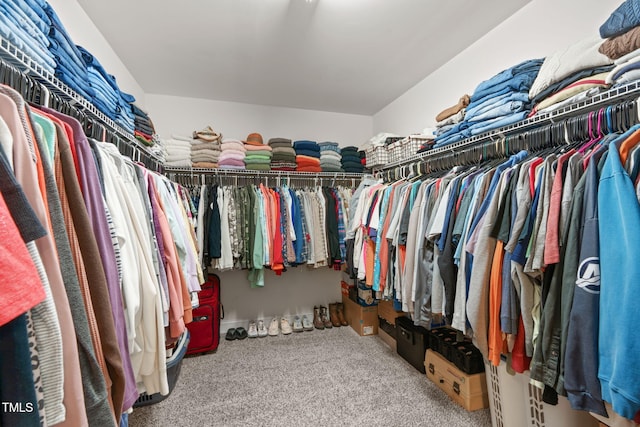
236 334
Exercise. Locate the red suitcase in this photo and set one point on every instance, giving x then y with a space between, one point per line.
205 328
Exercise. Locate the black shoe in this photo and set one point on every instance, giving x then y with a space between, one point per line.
232 334
241 333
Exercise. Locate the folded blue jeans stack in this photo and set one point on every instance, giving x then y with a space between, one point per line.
497 102
24 28
107 95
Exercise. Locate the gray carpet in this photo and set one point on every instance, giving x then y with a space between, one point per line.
332 377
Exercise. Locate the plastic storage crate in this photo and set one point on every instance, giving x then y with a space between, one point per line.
174 363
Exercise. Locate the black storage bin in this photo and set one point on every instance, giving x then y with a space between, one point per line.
442 341
387 327
412 342
468 358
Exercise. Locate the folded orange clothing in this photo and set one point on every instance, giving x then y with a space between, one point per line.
309 169
307 161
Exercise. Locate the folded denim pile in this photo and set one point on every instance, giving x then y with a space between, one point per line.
499 101
258 157
205 148
307 156
232 155
351 159
621 32
330 157
35 28
26 25
284 156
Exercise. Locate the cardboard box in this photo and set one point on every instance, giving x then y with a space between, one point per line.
364 320
468 391
366 295
388 339
388 313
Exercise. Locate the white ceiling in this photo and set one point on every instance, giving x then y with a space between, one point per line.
347 56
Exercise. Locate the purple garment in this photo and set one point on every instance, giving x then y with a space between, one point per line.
92 194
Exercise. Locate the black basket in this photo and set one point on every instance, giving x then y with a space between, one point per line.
468 358
174 363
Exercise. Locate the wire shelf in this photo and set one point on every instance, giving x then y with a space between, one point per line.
16 57
622 92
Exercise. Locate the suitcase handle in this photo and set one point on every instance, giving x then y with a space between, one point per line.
221 311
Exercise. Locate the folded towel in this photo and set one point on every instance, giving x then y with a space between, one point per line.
258 167
307 161
182 163
257 157
231 162
248 161
306 145
231 154
288 150
205 165
232 144
259 154
260 147
309 153
273 141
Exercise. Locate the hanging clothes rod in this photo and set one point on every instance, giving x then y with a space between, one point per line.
627 91
54 88
199 176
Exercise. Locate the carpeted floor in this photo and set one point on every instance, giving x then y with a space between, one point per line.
332 377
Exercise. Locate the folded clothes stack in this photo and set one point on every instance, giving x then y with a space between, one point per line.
258 156
144 129
205 148
499 101
232 155
307 156
177 151
351 161
27 27
284 156
621 32
330 157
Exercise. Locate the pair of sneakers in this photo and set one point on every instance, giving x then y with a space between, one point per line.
257 329
279 325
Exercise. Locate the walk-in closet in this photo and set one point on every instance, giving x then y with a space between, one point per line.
319 212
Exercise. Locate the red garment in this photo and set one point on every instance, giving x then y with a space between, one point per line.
278 260
307 161
519 360
21 286
309 169
552 239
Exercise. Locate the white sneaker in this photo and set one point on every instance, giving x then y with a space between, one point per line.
297 324
274 329
306 323
253 330
284 325
262 330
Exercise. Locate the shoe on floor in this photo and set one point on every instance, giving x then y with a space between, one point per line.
297 324
262 330
242 333
306 323
232 334
274 328
285 326
253 330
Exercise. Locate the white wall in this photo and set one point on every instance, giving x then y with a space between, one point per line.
84 32
178 115
299 289
535 31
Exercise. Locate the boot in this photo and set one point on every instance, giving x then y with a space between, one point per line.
324 316
333 315
317 320
341 317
